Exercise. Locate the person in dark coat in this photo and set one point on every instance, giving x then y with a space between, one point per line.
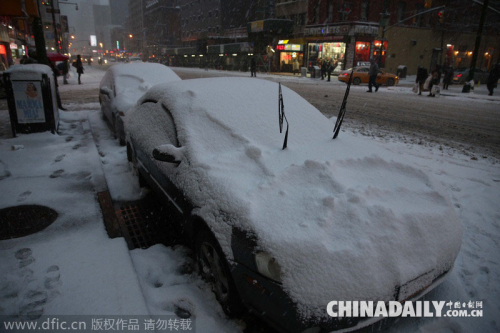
65 71
79 67
329 69
434 81
492 81
253 67
448 76
421 77
373 76
56 73
323 69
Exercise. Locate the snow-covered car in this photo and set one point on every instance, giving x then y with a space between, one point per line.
286 231
123 85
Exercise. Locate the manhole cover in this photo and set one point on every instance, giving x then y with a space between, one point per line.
19 221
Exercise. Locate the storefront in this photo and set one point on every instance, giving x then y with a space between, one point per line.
332 52
291 55
344 45
379 51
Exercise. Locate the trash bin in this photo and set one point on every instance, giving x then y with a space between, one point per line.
317 72
401 71
303 71
31 97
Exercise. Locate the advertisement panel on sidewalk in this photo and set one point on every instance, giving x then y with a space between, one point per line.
29 102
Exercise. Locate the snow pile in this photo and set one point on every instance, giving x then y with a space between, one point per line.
134 79
30 70
371 222
170 286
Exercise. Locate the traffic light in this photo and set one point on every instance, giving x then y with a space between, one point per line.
441 16
46 3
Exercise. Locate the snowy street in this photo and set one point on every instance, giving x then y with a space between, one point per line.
453 138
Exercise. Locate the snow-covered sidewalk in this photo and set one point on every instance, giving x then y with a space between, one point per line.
72 266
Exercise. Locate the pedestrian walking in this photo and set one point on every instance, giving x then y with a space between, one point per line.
253 68
56 73
329 70
448 76
65 71
421 77
79 68
373 72
492 81
433 82
323 69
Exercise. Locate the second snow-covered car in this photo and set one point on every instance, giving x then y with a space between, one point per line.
286 231
123 85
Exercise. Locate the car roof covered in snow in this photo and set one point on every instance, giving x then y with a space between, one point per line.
134 79
370 221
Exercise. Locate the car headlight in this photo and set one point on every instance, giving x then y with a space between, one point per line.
268 266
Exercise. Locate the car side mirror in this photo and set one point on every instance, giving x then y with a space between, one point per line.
106 91
168 153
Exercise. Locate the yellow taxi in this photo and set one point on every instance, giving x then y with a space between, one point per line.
360 75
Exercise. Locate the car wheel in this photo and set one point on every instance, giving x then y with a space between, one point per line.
214 268
356 81
390 82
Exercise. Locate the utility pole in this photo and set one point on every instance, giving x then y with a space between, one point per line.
466 88
56 37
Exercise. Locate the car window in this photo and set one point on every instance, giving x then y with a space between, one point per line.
364 70
155 126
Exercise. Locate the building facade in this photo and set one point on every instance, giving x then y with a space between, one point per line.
286 35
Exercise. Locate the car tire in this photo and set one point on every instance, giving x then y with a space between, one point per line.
390 82
356 81
214 268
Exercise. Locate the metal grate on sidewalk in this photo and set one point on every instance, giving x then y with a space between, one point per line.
145 223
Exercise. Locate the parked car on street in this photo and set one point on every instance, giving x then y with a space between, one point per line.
360 75
123 85
285 231
461 74
134 59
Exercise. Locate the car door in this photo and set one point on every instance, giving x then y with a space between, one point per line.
363 74
158 128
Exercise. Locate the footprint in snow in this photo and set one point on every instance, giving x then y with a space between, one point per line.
4 172
23 196
25 257
78 145
57 173
59 158
69 138
32 305
53 277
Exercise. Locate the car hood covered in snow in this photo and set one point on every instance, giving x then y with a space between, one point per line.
346 219
134 79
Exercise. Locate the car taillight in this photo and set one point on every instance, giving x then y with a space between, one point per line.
459 75
345 74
